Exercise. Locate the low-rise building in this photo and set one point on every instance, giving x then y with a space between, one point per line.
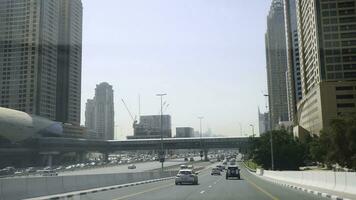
184 132
150 127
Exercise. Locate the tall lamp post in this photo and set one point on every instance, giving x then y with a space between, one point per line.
240 129
161 154
271 134
201 135
253 130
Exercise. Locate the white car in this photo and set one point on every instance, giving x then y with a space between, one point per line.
183 167
132 166
186 176
49 173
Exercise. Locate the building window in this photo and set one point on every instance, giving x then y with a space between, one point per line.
350 74
345 105
345 96
344 88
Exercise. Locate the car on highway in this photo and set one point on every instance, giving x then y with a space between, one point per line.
185 159
7 171
191 159
183 166
132 166
30 170
233 171
186 176
49 173
220 167
215 171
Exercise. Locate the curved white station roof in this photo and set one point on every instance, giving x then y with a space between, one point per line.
17 126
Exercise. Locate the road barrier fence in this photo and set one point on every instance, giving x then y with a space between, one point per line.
330 180
27 187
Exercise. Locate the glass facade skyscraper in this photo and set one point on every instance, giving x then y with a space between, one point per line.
40 57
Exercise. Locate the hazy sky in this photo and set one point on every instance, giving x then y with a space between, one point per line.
207 55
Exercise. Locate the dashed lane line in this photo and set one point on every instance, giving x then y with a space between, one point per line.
144 191
260 189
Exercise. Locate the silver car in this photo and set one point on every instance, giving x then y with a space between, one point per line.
186 176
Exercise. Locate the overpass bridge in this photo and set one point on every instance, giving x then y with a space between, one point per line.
45 149
75 144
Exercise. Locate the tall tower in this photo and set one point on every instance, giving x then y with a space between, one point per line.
294 88
104 111
31 34
90 114
327 48
69 65
276 63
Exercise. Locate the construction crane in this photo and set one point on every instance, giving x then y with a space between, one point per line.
128 110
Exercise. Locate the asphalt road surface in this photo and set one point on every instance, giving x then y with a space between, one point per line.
140 167
209 188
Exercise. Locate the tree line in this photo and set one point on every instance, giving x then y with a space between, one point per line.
335 144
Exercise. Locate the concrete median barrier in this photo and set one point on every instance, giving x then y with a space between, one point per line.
12 187
351 183
334 181
69 183
28 187
53 184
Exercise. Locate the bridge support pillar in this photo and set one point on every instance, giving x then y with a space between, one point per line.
48 157
80 156
206 155
49 160
105 157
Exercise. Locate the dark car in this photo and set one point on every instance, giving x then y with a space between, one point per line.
220 167
215 171
233 171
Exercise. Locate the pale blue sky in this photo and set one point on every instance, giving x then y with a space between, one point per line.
207 55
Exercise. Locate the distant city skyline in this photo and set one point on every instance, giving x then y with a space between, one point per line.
208 56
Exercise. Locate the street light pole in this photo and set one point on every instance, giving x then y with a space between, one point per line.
161 154
271 134
253 130
201 133
240 129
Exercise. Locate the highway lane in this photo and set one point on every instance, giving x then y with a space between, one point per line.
210 187
140 167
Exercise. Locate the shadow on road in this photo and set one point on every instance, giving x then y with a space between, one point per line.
235 179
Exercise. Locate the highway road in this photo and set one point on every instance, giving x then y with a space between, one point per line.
209 188
140 167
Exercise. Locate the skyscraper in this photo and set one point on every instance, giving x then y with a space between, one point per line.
90 114
69 70
276 63
263 122
37 75
99 112
327 47
294 88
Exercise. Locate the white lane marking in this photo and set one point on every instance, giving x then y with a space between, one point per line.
210 186
202 192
